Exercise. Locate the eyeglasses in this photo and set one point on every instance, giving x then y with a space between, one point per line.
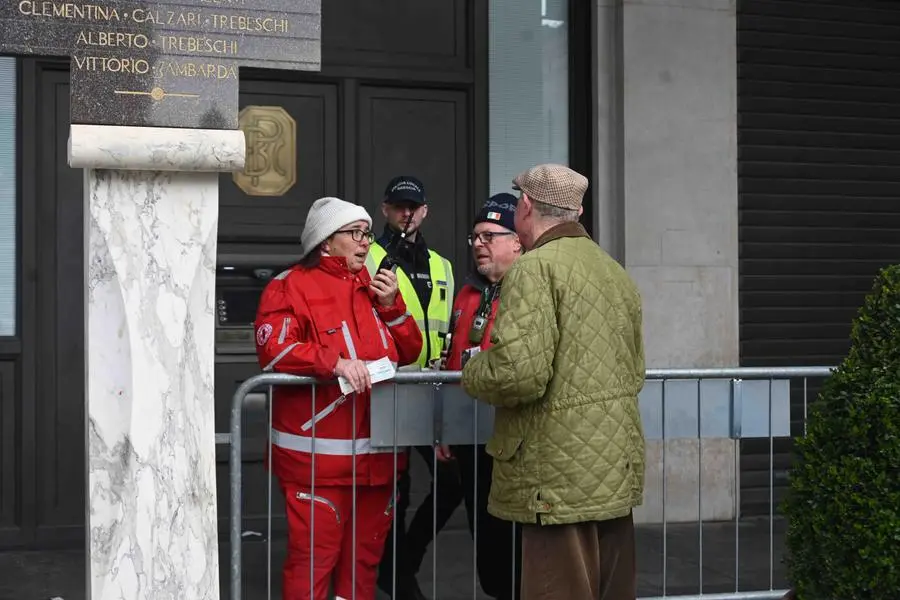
486 237
359 234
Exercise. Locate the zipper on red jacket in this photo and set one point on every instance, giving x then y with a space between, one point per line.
321 500
324 412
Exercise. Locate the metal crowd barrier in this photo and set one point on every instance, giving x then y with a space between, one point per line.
426 407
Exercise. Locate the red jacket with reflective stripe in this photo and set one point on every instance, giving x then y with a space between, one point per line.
464 309
306 320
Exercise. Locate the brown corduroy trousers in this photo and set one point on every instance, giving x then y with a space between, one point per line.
583 561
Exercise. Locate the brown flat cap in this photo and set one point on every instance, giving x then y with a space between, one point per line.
556 185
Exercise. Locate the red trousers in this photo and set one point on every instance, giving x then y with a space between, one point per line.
329 515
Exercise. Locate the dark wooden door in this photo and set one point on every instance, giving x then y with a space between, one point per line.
420 132
314 108
51 487
60 381
351 139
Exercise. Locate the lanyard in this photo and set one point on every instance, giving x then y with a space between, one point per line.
488 295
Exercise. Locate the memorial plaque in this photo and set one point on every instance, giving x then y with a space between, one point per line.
164 63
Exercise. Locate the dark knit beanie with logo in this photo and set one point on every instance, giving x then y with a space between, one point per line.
499 209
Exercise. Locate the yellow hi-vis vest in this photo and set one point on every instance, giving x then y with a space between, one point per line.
439 307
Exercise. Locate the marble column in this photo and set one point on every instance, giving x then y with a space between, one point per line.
151 220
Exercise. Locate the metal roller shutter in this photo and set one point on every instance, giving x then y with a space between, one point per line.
819 186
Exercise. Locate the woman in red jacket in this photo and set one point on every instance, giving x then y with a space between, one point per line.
325 318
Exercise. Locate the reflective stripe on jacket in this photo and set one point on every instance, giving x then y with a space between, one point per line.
437 320
306 320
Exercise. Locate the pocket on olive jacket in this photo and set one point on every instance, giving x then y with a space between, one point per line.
503 448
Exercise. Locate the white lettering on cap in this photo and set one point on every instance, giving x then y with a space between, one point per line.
406 185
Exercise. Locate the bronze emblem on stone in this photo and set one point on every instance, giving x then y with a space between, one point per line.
270 168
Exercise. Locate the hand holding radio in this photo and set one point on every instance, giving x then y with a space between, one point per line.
385 287
389 263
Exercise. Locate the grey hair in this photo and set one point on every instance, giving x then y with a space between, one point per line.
555 213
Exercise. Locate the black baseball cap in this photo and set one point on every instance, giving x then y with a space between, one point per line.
404 188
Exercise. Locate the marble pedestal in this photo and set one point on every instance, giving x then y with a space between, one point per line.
151 223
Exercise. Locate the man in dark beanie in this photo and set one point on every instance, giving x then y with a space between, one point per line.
495 247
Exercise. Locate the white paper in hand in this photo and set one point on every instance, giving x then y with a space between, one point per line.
379 370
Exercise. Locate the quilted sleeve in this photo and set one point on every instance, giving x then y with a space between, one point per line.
518 366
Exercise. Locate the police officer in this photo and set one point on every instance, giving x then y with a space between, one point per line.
425 280
424 276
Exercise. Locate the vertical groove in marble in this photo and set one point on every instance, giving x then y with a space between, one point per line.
150 402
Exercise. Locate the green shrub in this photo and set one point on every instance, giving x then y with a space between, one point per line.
843 507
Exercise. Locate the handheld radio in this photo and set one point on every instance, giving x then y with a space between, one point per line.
389 262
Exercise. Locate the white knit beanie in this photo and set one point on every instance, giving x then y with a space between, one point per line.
327 215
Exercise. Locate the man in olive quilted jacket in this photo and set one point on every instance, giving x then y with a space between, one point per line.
564 372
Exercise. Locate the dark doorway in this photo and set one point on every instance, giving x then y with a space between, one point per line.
48 499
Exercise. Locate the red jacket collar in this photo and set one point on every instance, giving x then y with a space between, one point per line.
337 266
